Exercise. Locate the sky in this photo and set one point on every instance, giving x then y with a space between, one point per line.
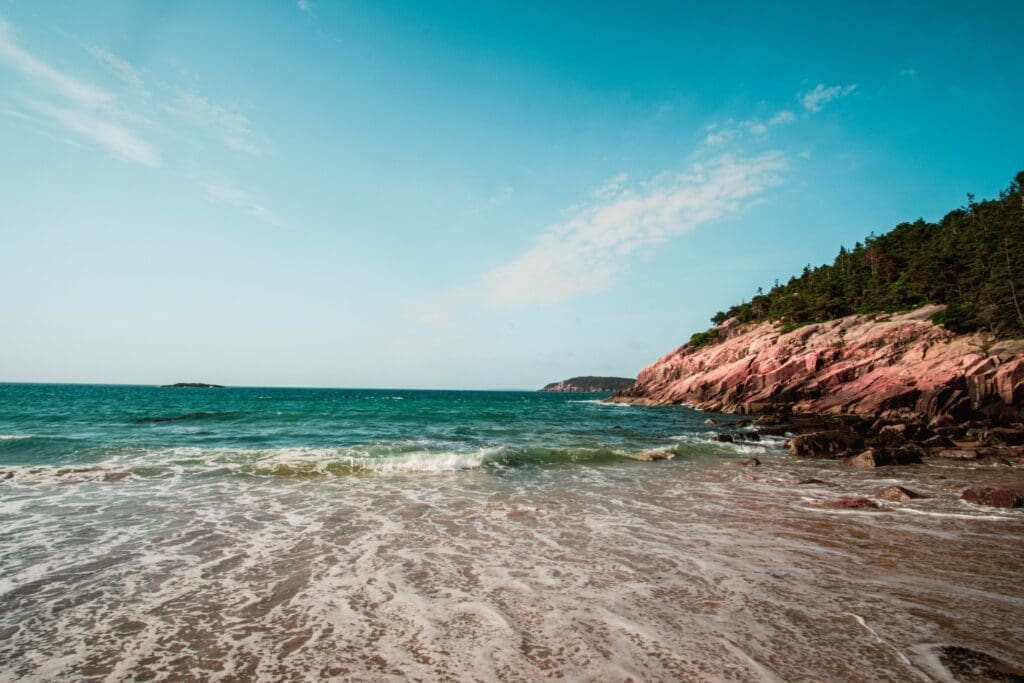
460 195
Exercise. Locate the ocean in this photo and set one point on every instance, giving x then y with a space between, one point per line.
154 533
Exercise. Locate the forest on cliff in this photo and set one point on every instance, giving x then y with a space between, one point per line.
972 261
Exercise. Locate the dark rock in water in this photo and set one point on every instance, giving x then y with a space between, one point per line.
710 421
809 482
751 462
883 457
778 430
894 435
1002 436
731 437
938 441
994 496
972 666
828 444
769 419
943 420
192 385
851 504
898 494
744 423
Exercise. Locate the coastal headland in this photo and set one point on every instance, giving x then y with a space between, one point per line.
908 347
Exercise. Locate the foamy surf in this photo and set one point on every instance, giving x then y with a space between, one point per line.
299 535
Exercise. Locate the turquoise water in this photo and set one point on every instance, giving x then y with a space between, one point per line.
333 431
302 534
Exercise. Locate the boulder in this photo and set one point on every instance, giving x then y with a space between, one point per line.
723 438
828 444
1001 436
938 441
897 494
883 457
994 496
751 462
893 435
943 420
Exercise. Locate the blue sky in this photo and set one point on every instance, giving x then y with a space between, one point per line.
460 195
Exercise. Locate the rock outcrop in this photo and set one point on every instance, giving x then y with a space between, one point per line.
590 384
861 365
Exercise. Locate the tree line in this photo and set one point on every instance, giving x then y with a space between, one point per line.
972 261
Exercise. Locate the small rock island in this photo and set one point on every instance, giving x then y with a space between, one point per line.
591 384
191 385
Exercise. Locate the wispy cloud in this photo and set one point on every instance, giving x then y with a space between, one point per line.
79 107
39 74
121 68
116 139
719 136
228 125
815 99
228 195
585 253
305 5
732 129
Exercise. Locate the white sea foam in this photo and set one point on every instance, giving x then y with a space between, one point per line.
671 571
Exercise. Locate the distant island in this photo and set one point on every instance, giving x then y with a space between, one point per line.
192 385
590 384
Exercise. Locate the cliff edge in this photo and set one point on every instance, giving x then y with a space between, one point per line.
863 365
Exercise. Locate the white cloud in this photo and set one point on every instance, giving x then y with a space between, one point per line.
42 75
732 129
80 107
814 100
756 127
719 137
114 138
232 127
586 252
229 195
121 68
305 5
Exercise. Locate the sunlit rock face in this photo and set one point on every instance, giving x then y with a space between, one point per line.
862 364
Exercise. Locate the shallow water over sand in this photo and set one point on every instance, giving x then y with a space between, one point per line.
206 564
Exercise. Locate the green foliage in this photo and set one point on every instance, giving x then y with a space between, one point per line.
703 339
958 317
972 261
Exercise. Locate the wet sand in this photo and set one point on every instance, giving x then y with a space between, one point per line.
674 570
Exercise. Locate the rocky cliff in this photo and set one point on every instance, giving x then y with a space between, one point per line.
860 365
590 384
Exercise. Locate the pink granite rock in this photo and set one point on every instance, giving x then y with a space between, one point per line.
860 364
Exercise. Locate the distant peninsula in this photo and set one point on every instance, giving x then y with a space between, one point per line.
192 385
591 384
